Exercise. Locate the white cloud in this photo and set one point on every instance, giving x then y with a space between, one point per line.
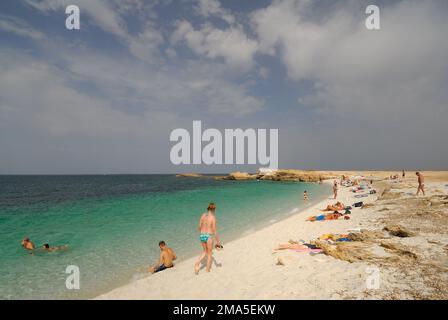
100 11
146 45
19 27
28 100
194 86
379 97
231 44
213 8
115 125
107 16
383 92
357 71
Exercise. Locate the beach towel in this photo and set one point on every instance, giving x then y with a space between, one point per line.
358 196
358 204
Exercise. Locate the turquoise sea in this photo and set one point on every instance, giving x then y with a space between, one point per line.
113 223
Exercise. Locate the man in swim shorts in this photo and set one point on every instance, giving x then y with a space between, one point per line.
167 256
207 230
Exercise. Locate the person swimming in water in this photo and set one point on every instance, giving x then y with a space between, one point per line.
305 196
27 244
47 248
207 229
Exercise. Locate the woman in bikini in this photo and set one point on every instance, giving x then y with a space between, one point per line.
207 230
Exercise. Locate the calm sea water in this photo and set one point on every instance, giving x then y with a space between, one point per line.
113 223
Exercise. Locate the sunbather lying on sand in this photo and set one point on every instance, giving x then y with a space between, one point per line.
336 207
292 245
329 216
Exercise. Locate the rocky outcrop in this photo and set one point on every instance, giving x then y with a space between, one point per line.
281 175
399 231
238 176
189 175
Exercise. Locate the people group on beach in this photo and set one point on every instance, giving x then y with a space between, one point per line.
208 232
207 222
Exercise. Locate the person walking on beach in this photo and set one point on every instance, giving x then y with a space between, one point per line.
167 256
335 189
207 230
421 183
403 175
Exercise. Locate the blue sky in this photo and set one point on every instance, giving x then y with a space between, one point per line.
105 98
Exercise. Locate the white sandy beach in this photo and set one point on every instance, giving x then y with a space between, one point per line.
247 268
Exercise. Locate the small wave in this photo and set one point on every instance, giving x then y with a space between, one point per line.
294 210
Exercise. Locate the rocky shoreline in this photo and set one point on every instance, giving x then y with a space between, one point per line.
280 175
